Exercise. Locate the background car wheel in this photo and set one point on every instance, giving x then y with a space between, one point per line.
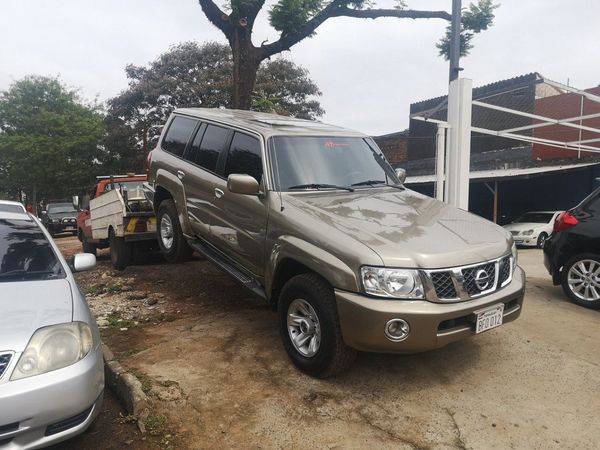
86 246
541 240
310 328
581 280
120 252
170 237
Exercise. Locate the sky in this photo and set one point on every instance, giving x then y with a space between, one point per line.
369 71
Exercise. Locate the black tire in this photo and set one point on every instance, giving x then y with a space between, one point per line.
120 252
333 355
179 250
85 245
541 240
592 304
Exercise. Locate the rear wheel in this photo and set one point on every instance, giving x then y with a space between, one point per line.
120 252
86 246
170 237
581 280
310 328
541 240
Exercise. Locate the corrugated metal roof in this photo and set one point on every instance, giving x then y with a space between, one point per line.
497 174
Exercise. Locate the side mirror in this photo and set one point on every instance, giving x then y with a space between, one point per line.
242 184
401 174
76 202
83 262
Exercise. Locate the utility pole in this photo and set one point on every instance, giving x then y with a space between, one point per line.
458 156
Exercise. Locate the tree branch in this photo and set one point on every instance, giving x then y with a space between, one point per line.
338 8
215 15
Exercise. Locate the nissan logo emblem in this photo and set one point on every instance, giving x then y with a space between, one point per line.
482 280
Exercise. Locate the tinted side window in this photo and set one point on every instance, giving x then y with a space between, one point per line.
244 156
178 134
206 154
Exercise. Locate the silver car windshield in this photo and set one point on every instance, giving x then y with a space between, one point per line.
25 253
329 162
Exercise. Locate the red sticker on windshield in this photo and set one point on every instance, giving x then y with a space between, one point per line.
331 144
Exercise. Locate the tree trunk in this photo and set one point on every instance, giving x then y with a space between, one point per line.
246 59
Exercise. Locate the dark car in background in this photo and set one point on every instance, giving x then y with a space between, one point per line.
60 217
572 253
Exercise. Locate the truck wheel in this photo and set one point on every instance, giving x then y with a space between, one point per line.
170 237
580 281
86 246
310 328
120 252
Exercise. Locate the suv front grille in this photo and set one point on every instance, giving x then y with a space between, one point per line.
4 361
463 283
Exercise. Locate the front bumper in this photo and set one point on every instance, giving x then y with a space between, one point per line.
432 325
49 408
526 241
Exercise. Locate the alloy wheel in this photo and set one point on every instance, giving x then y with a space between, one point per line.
304 328
584 279
166 231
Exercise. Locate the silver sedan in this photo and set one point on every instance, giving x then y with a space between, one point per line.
51 367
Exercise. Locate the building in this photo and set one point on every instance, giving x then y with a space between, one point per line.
510 176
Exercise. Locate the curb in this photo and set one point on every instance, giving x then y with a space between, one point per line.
127 387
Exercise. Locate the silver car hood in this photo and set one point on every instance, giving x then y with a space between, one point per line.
26 306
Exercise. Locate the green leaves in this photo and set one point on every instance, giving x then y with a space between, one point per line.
476 18
48 138
290 15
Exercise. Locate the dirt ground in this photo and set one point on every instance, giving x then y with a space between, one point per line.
210 357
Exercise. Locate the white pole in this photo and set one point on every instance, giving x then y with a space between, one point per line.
459 143
439 165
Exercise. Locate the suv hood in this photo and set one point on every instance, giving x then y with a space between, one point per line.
62 215
26 306
408 229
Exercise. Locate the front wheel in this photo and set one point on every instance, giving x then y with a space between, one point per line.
310 328
541 240
120 252
581 280
170 237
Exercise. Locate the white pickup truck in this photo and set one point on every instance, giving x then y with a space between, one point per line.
117 216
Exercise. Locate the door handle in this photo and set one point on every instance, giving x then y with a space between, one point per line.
180 174
219 193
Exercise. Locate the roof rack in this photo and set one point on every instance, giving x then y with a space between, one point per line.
129 175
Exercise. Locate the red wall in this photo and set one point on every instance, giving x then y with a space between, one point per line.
564 106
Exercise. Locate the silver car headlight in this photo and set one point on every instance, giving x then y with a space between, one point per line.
54 347
396 283
528 232
515 256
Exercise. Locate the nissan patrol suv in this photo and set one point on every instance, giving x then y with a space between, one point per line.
313 219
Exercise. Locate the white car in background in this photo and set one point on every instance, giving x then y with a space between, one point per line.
532 228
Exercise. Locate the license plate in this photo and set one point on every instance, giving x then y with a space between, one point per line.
151 226
489 318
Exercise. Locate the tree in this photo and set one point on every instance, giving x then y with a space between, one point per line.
190 75
48 139
296 20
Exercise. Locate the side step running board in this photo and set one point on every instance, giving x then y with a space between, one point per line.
225 263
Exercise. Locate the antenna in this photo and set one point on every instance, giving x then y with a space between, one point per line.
274 152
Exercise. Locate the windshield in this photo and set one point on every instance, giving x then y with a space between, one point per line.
328 162
25 253
57 208
535 217
11 208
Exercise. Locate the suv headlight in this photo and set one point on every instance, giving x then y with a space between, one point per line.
54 347
515 256
396 283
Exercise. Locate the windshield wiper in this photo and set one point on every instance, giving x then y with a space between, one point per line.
318 186
21 273
375 182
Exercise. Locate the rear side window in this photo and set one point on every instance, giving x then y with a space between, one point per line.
178 135
207 147
25 253
244 156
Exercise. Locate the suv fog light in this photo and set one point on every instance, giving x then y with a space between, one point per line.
397 330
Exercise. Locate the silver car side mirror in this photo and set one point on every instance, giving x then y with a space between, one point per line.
242 184
401 174
83 262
